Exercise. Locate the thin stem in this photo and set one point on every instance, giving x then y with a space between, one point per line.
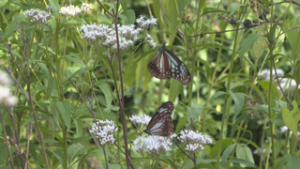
106 162
6 142
29 131
121 99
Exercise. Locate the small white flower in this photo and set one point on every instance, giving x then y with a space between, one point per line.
70 10
150 41
11 101
140 119
154 146
37 16
86 7
145 23
194 147
104 130
194 141
6 96
5 80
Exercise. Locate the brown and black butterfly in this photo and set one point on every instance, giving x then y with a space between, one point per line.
166 64
161 123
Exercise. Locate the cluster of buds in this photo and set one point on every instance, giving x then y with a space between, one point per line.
104 131
6 97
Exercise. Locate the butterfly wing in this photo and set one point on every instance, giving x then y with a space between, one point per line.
166 64
161 123
178 70
158 66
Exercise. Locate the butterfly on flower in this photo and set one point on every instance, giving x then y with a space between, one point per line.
161 123
166 64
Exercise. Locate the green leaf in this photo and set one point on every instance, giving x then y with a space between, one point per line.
124 5
247 44
73 59
13 25
244 152
128 16
64 108
55 7
51 86
219 93
73 150
293 35
59 155
225 143
106 91
226 154
291 118
259 46
175 87
114 166
274 96
239 100
193 112
293 162
79 126
241 161
234 7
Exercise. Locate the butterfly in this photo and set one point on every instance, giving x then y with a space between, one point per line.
161 123
166 64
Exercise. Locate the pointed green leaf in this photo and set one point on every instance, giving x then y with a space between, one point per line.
244 152
239 100
247 44
226 154
291 118
64 109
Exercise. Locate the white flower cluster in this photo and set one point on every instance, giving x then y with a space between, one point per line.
86 7
6 97
104 130
141 119
73 11
107 35
194 141
154 146
145 23
37 16
127 33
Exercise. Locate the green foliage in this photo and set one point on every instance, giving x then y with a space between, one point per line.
65 82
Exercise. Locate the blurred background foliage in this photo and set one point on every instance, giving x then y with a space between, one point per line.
215 58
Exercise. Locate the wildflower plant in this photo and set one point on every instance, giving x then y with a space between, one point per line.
104 131
154 146
38 16
91 62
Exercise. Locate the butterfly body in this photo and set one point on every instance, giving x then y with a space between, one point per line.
165 64
161 123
